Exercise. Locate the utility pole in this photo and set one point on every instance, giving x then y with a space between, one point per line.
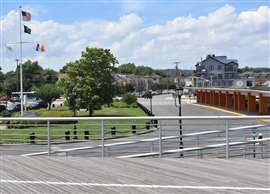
179 92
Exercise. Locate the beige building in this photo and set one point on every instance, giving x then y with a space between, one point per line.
138 82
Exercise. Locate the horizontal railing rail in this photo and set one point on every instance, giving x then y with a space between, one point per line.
194 148
132 118
147 140
156 132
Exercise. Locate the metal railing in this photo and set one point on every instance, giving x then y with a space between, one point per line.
124 137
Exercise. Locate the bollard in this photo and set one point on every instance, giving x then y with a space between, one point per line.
133 129
86 134
32 138
75 136
155 122
260 137
113 131
147 126
67 135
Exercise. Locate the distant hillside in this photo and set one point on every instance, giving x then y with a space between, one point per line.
131 68
260 74
172 72
254 70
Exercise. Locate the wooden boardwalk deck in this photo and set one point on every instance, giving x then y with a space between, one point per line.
94 175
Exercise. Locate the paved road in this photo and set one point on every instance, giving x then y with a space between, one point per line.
164 105
144 176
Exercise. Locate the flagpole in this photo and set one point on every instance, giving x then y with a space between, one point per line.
21 78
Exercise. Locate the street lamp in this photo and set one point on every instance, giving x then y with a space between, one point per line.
73 100
179 92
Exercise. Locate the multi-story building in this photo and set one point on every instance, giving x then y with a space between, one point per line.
138 82
216 71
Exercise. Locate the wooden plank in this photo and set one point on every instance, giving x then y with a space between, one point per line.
84 175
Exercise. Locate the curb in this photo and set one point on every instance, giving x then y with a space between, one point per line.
228 111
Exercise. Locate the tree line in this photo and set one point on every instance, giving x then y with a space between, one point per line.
131 68
87 83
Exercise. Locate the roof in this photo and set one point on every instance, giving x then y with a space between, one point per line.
221 59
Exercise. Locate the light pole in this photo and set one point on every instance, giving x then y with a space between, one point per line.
73 97
150 96
179 93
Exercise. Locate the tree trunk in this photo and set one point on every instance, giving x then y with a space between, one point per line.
90 110
49 105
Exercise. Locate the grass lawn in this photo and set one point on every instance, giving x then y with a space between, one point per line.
119 109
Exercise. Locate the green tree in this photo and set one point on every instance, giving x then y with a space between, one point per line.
2 78
144 70
33 76
10 83
128 68
49 76
88 82
47 93
131 68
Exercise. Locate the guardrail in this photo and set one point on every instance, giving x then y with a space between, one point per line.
196 134
157 133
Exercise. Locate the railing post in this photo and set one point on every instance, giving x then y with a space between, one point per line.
102 139
152 146
197 145
49 137
227 139
261 150
160 139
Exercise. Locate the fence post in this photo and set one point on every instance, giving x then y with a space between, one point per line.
227 139
197 145
49 137
152 146
160 139
102 139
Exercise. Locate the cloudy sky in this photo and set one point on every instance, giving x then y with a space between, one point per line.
153 33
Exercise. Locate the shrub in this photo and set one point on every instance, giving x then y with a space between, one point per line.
6 113
129 98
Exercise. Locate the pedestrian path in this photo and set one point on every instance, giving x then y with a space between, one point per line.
84 175
168 100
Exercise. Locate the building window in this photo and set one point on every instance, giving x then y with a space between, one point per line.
249 83
219 67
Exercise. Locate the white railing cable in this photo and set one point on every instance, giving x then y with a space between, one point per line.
195 148
132 118
146 140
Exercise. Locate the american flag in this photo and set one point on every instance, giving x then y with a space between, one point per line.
26 16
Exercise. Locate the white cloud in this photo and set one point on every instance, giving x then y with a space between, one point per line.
244 36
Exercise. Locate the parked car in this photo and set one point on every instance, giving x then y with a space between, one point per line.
13 106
